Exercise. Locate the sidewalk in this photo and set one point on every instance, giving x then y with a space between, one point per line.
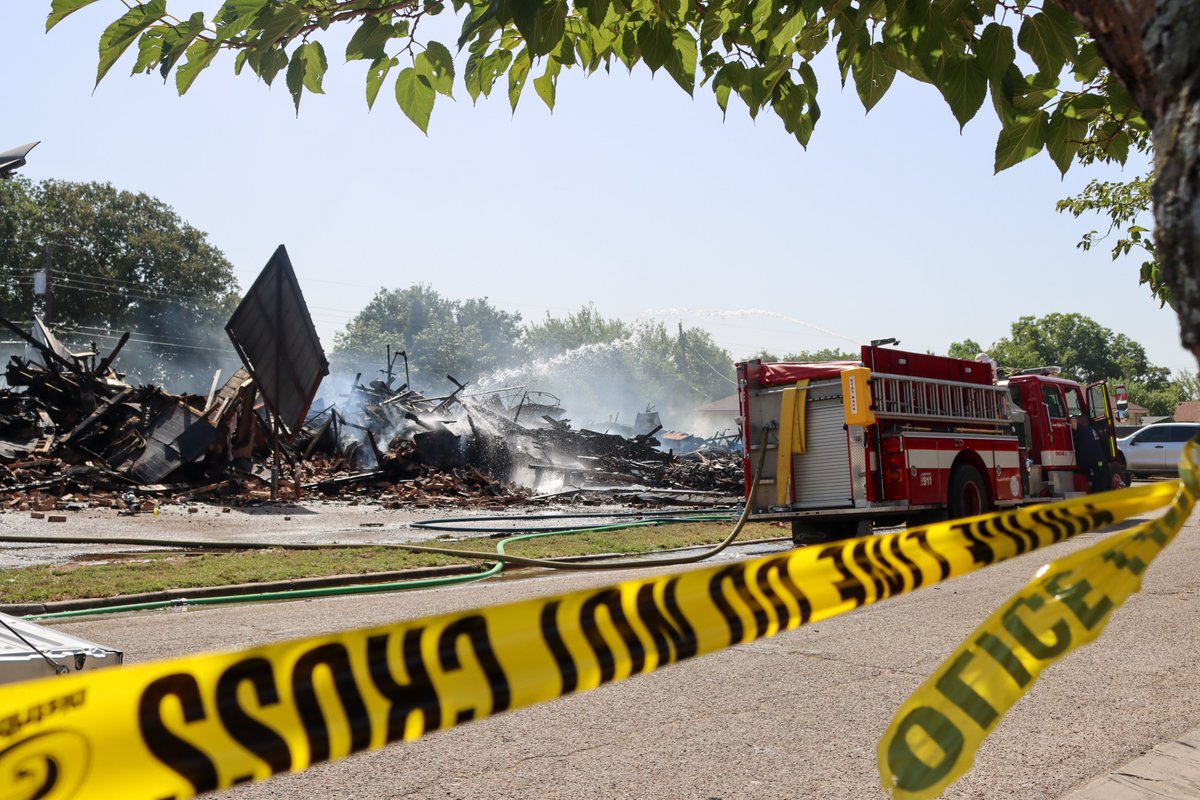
1170 771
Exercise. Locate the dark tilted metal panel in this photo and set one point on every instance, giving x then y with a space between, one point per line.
275 338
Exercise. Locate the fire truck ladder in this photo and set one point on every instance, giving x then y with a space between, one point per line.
905 397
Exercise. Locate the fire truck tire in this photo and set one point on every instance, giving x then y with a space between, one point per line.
1114 479
968 494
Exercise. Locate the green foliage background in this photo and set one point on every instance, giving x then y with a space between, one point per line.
121 261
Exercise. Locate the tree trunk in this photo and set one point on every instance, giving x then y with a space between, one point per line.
1153 48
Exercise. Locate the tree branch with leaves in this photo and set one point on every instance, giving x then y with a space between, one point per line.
1063 77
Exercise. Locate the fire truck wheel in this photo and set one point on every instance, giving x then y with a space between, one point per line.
968 495
1114 479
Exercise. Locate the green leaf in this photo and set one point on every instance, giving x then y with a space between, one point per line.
483 21
848 46
545 86
1021 140
1040 36
119 35
1064 136
150 47
714 25
899 57
376 75
963 85
791 105
199 56
721 90
240 12
872 75
1117 147
541 23
1086 106
268 64
440 67
626 48
415 97
995 50
726 80
517 74
682 65
61 9
788 30
656 43
368 41
1031 93
281 22
597 11
177 40
306 70
473 75
1088 63
481 73
758 84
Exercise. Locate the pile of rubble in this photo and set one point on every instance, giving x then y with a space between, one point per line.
71 427
72 431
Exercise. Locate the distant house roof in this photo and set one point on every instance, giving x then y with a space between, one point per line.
726 405
1188 411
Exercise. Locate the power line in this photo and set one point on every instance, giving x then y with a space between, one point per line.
140 289
83 329
95 288
140 340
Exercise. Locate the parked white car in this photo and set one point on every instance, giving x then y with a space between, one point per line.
1155 449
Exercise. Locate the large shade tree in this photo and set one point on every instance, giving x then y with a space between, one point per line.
436 334
1086 351
120 261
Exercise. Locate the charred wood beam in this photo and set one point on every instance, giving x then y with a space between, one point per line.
375 447
450 398
345 480
98 415
111 356
44 350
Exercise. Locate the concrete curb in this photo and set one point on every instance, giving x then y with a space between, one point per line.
1171 771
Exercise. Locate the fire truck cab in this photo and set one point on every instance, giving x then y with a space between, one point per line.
912 438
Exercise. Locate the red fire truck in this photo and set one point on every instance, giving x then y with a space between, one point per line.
910 438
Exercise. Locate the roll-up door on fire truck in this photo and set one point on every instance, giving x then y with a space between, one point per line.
821 474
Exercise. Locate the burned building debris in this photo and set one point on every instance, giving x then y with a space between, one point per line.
72 431
70 434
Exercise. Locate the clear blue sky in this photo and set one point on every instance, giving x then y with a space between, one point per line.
631 196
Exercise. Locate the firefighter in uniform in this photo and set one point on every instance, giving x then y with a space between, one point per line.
1089 454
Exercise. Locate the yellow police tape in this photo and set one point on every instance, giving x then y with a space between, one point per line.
933 737
180 727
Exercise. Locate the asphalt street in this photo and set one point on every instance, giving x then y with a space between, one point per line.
798 715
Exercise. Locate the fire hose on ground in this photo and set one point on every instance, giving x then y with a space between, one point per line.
500 557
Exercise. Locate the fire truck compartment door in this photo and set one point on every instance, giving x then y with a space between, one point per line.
1100 410
822 473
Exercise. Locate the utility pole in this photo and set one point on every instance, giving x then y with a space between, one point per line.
48 269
